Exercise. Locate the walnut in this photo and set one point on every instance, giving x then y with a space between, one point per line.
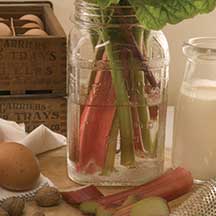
14 206
3 212
47 197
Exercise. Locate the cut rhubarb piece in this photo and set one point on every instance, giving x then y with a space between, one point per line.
101 211
96 123
81 195
89 207
169 186
94 208
130 200
151 206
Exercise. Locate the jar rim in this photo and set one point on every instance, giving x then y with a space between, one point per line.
96 6
92 15
201 43
204 47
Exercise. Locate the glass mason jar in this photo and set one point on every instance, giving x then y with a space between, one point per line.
118 74
195 118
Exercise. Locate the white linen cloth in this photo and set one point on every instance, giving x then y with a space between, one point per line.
11 131
40 140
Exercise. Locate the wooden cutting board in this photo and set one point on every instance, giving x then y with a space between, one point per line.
53 165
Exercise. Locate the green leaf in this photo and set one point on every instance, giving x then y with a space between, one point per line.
155 14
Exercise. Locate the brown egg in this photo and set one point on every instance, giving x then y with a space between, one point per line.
19 169
36 32
31 25
33 18
5 30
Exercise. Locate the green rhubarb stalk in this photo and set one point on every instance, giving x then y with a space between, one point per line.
130 200
150 143
89 207
141 103
122 102
154 144
143 113
138 80
111 147
138 137
140 73
95 40
98 57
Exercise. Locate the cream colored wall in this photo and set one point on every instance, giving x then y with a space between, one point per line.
63 10
204 25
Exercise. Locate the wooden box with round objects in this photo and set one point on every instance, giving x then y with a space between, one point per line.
32 49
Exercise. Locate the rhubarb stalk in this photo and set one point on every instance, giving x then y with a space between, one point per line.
169 186
134 37
129 76
97 118
122 101
111 148
75 197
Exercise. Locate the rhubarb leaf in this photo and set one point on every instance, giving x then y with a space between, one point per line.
153 14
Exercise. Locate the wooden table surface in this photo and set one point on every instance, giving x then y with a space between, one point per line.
53 165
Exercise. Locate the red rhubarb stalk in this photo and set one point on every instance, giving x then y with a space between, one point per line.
169 186
153 112
96 123
81 195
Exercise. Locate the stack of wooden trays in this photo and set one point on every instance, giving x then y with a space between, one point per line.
33 67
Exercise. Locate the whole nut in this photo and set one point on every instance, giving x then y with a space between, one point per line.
3 212
38 213
47 197
14 206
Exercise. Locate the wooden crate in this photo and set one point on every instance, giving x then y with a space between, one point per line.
36 110
29 64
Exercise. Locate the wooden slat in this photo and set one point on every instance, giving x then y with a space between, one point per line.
29 63
50 111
